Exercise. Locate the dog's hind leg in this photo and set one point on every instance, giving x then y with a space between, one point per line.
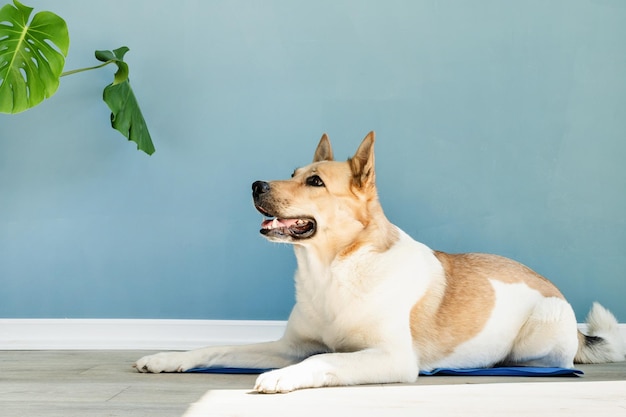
548 338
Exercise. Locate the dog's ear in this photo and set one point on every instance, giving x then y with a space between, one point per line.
362 163
324 151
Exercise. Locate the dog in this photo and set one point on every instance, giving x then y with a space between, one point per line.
375 306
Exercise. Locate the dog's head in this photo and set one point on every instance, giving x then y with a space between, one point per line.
327 200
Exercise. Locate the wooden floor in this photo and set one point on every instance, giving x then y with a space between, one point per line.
102 383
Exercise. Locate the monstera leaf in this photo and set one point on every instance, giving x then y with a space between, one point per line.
126 115
32 56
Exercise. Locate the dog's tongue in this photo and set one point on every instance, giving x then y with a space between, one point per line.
278 223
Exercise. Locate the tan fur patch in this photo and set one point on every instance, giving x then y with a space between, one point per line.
380 240
455 310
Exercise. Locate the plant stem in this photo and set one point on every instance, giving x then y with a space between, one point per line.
85 69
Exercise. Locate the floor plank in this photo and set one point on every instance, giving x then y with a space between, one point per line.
103 383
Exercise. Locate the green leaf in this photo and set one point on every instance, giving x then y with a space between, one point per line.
126 115
116 56
32 56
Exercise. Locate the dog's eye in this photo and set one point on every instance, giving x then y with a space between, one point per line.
314 181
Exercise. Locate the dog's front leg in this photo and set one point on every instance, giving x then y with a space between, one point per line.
370 366
260 355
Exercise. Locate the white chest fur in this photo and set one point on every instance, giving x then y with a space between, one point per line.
363 299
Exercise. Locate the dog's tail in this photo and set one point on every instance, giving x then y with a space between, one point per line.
604 342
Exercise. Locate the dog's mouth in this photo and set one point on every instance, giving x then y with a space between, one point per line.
296 228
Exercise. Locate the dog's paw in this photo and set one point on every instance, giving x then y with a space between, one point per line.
164 362
277 381
288 379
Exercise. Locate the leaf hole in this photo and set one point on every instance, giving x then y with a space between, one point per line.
53 46
24 75
41 56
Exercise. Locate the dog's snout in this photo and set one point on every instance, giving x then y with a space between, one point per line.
260 187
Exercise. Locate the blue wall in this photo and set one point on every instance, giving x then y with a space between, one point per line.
501 128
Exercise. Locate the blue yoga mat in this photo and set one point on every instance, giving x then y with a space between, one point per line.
504 371
221 370
498 371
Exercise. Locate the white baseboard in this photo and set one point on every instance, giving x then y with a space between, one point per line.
139 334
88 334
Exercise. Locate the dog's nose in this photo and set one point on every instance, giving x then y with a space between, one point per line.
260 187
